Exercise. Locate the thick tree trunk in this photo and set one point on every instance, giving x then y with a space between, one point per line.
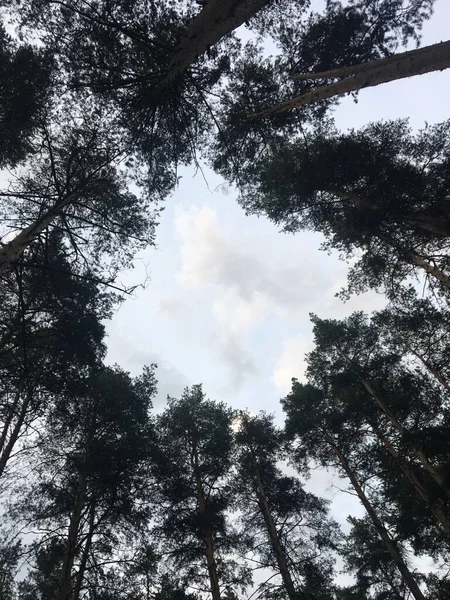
421 491
8 447
274 538
389 543
432 470
431 269
370 74
12 250
206 532
217 19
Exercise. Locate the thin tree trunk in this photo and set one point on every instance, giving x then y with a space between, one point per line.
429 368
432 470
217 19
8 448
206 532
11 251
64 583
408 471
389 543
399 66
85 555
9 420
274 539
394 588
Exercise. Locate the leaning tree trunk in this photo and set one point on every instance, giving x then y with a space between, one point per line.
274 538
399 66
8 446
432 470
11 251
206 531
431 269
389 543
217 19
430 368
419 487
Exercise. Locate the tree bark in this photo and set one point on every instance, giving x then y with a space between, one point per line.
389 543
399 66
8 448
217 19
64 583
429 368
274 538
432 270
85 555
12 250
206 532
421 491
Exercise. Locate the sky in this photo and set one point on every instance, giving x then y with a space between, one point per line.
229 296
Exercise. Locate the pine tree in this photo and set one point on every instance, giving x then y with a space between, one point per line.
51 335
323 435
90 478
378 194
195 442
288 529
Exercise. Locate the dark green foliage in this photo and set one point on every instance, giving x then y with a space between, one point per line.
381 192
9 558
301 526
98 483
195 445
365 555
25 83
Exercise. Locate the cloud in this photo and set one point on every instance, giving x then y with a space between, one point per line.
239 362
250 273
291 363
173 307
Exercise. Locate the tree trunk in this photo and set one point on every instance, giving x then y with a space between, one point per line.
389 543
432 470
8 421
432 270
85 555
8 448
408 471
399 66
429 368
64 583
11 251
206 532
217 19
274 539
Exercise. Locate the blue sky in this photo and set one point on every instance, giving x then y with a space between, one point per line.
229 298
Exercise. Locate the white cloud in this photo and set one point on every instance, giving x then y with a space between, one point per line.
250 273
291 363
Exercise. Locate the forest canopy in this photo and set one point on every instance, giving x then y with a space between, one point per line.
107 495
